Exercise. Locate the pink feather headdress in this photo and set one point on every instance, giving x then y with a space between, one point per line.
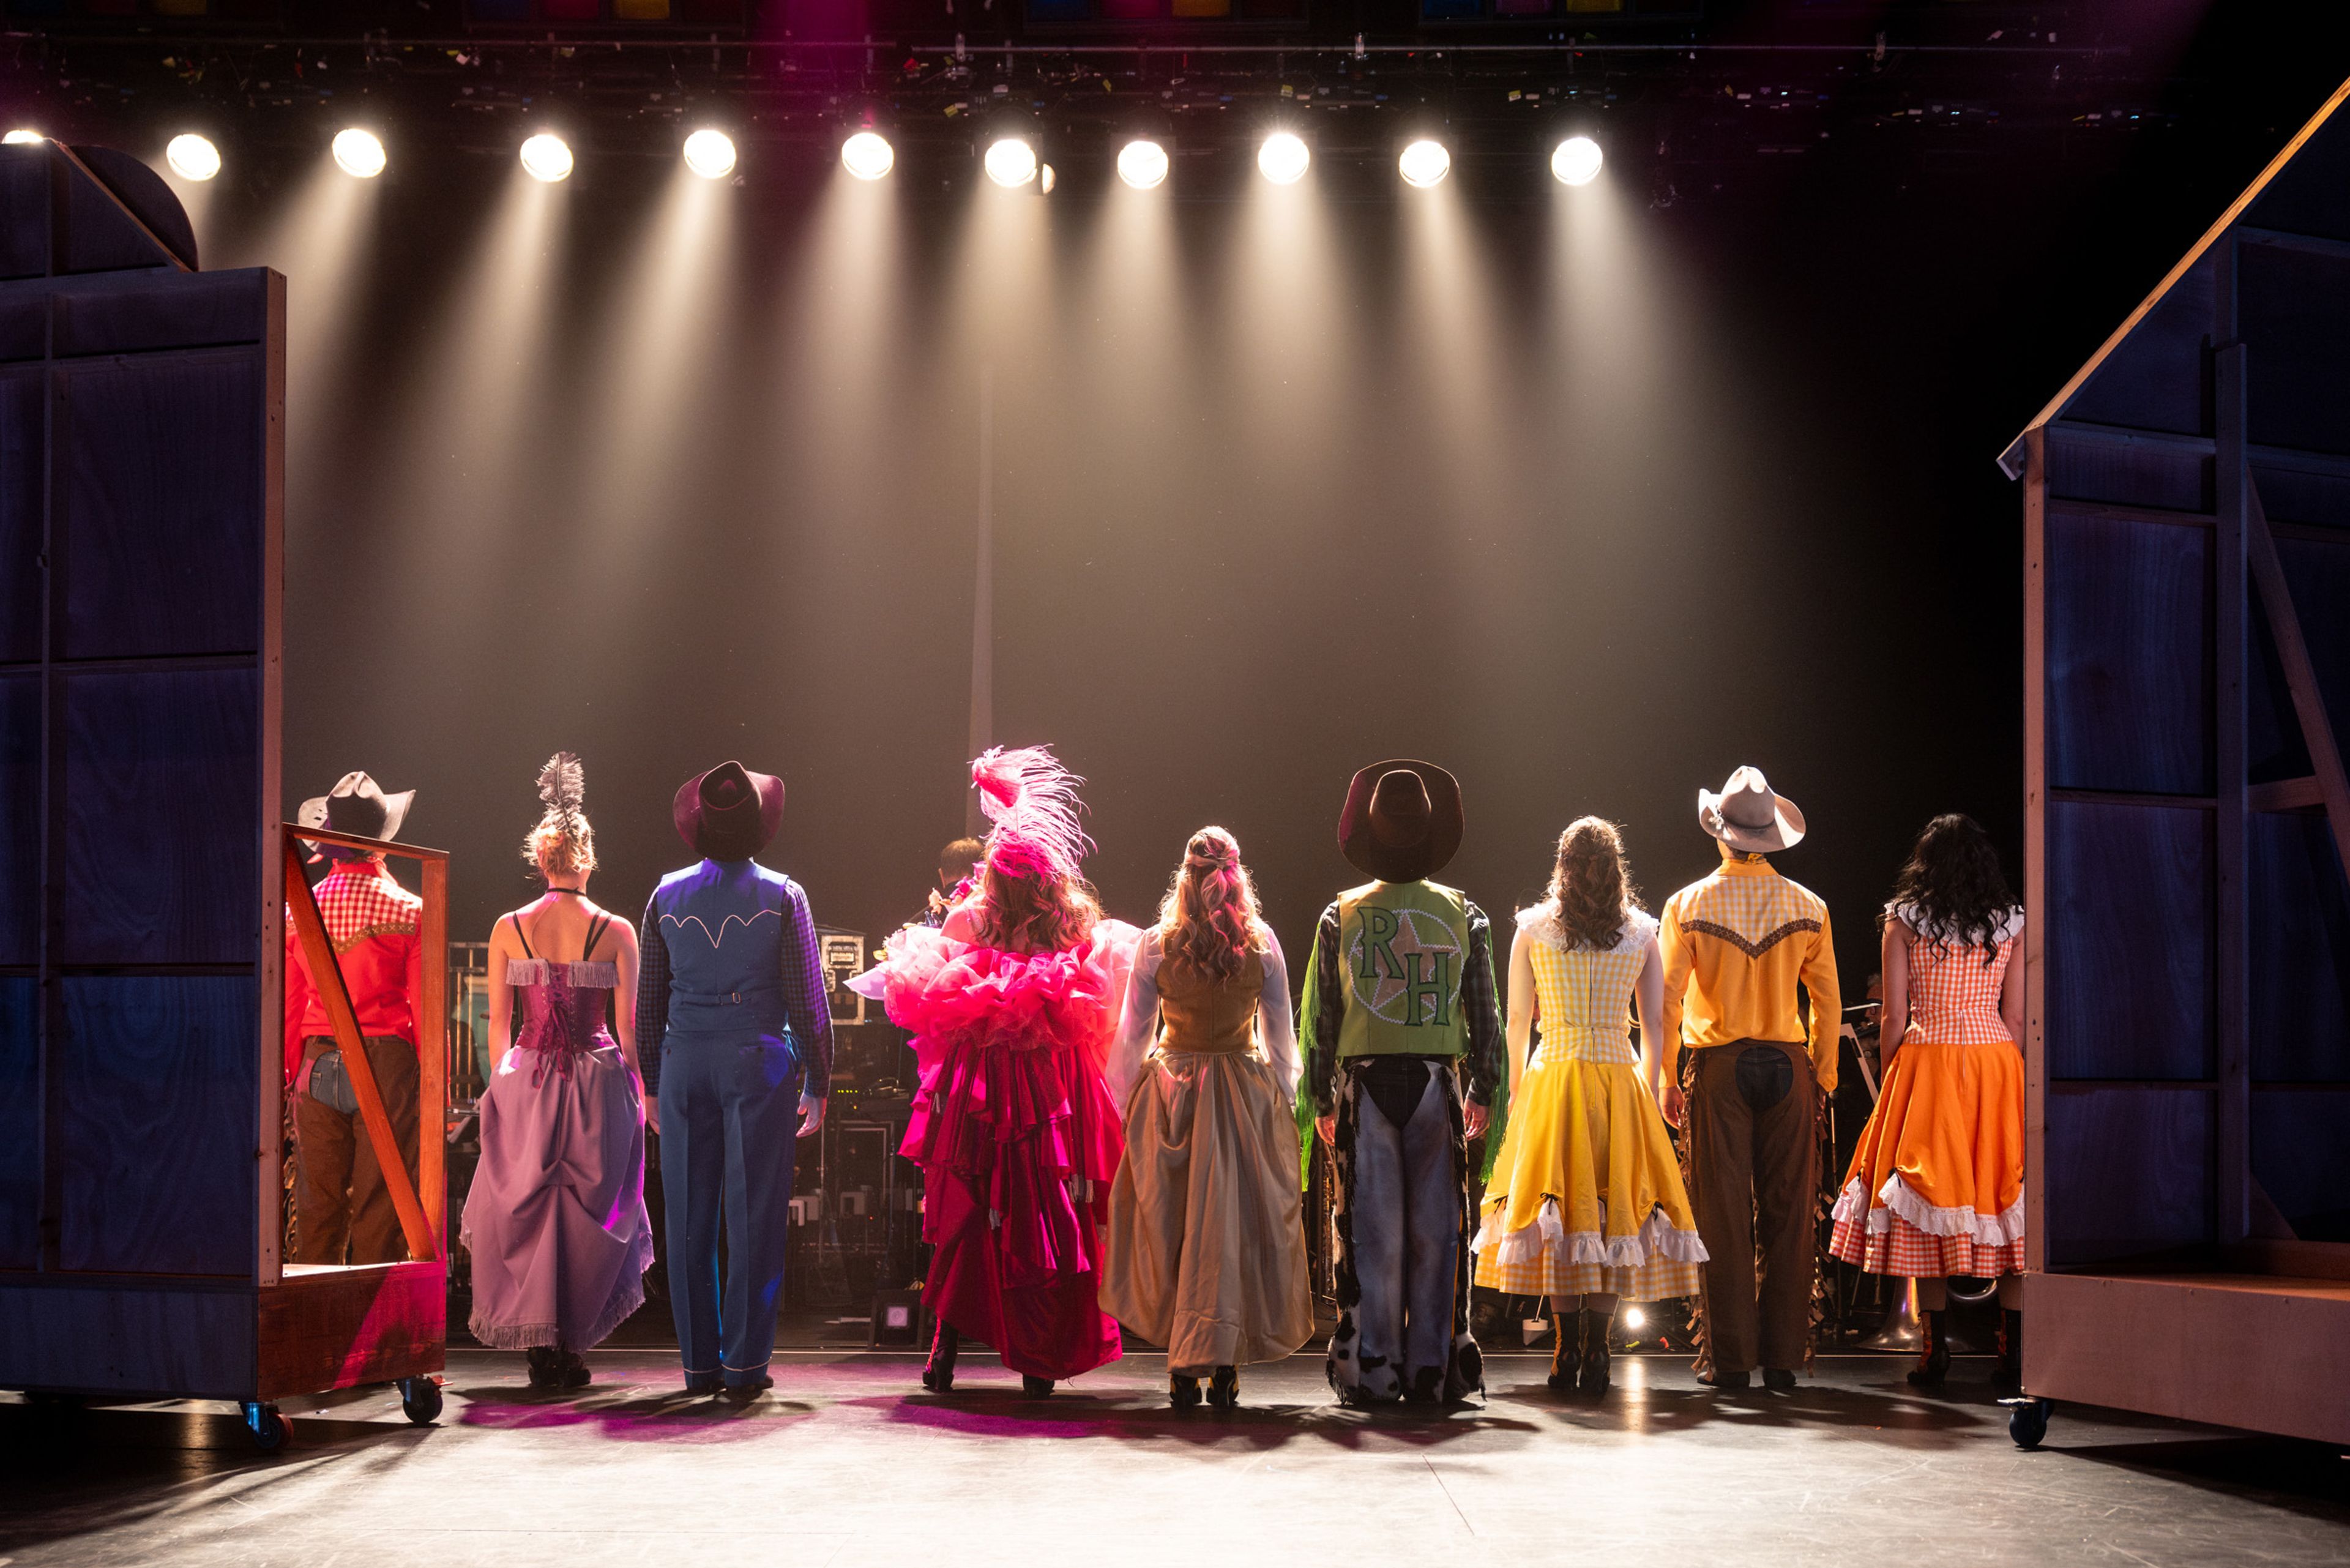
1032 801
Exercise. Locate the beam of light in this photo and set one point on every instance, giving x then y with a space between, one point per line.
191 157
1142 163
1283 158
665 322
868 155
1288 354
1576 161
317 239
456 472
547 157
1010 162
711 154
1424 163
16 138
1458 372
360 153
1635 1319
1129 384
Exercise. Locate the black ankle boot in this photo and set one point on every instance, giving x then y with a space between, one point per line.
2007 1377
1035 1387
1225 1387
546 1367
1566 1352
1182 1390
1592 1379
1933 1352
938 1374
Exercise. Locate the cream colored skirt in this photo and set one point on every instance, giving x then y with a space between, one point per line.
1206 1251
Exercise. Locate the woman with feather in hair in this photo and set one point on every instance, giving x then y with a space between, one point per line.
555 1218
1013 1003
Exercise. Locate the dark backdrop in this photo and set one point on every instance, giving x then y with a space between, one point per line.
1589 501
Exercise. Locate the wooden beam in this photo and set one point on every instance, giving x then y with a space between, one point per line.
2170 518
2035 852
2131 797
2232 642
2013 461
432 1056
2279 239
2285 459
2301 677
328 976
2285 794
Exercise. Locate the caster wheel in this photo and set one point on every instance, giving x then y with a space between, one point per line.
420 1399
269 1428
2027 1421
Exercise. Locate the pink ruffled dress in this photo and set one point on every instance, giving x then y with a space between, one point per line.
1015 1133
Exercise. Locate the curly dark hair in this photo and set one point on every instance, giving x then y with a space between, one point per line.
1591 889
1953 879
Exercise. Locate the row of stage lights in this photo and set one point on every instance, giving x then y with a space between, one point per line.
1010 160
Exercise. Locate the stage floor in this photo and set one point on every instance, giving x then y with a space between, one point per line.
847 1464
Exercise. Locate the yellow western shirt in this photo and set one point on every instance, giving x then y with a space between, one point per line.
1735 947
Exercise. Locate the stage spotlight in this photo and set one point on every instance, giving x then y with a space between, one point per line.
1010 162
547 157
1635 1319
1142 163
191 157
711 154
868 155
1424 163
1576 161
360 153
17 137
1045 178
1283 159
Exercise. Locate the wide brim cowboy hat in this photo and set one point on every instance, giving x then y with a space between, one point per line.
1402 820
728 813
1748 816
357 805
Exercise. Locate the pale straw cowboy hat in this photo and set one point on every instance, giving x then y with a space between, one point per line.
1748 816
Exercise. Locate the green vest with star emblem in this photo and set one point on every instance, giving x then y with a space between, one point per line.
1403 947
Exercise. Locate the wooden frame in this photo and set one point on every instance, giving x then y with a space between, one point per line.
143 882
2162 1275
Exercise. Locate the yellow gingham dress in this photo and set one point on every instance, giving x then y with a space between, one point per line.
1586 1193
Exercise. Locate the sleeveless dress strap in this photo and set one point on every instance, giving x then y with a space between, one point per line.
521 934
595 935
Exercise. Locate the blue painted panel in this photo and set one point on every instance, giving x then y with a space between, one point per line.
158 1087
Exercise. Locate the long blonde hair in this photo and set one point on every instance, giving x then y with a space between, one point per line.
1211 918
1591 890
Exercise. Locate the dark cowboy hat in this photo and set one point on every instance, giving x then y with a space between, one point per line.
729 813
358 806
1402 820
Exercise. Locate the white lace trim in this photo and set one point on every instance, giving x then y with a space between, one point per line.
2003 1230
1656 1239
1915 918
1542 923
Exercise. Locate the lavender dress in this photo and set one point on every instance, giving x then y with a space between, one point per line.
555 1219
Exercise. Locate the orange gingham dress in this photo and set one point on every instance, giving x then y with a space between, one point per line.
1936 1186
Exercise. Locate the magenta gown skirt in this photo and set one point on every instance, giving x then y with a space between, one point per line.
1016 1134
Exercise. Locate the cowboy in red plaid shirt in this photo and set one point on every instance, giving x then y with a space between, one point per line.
343 1211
